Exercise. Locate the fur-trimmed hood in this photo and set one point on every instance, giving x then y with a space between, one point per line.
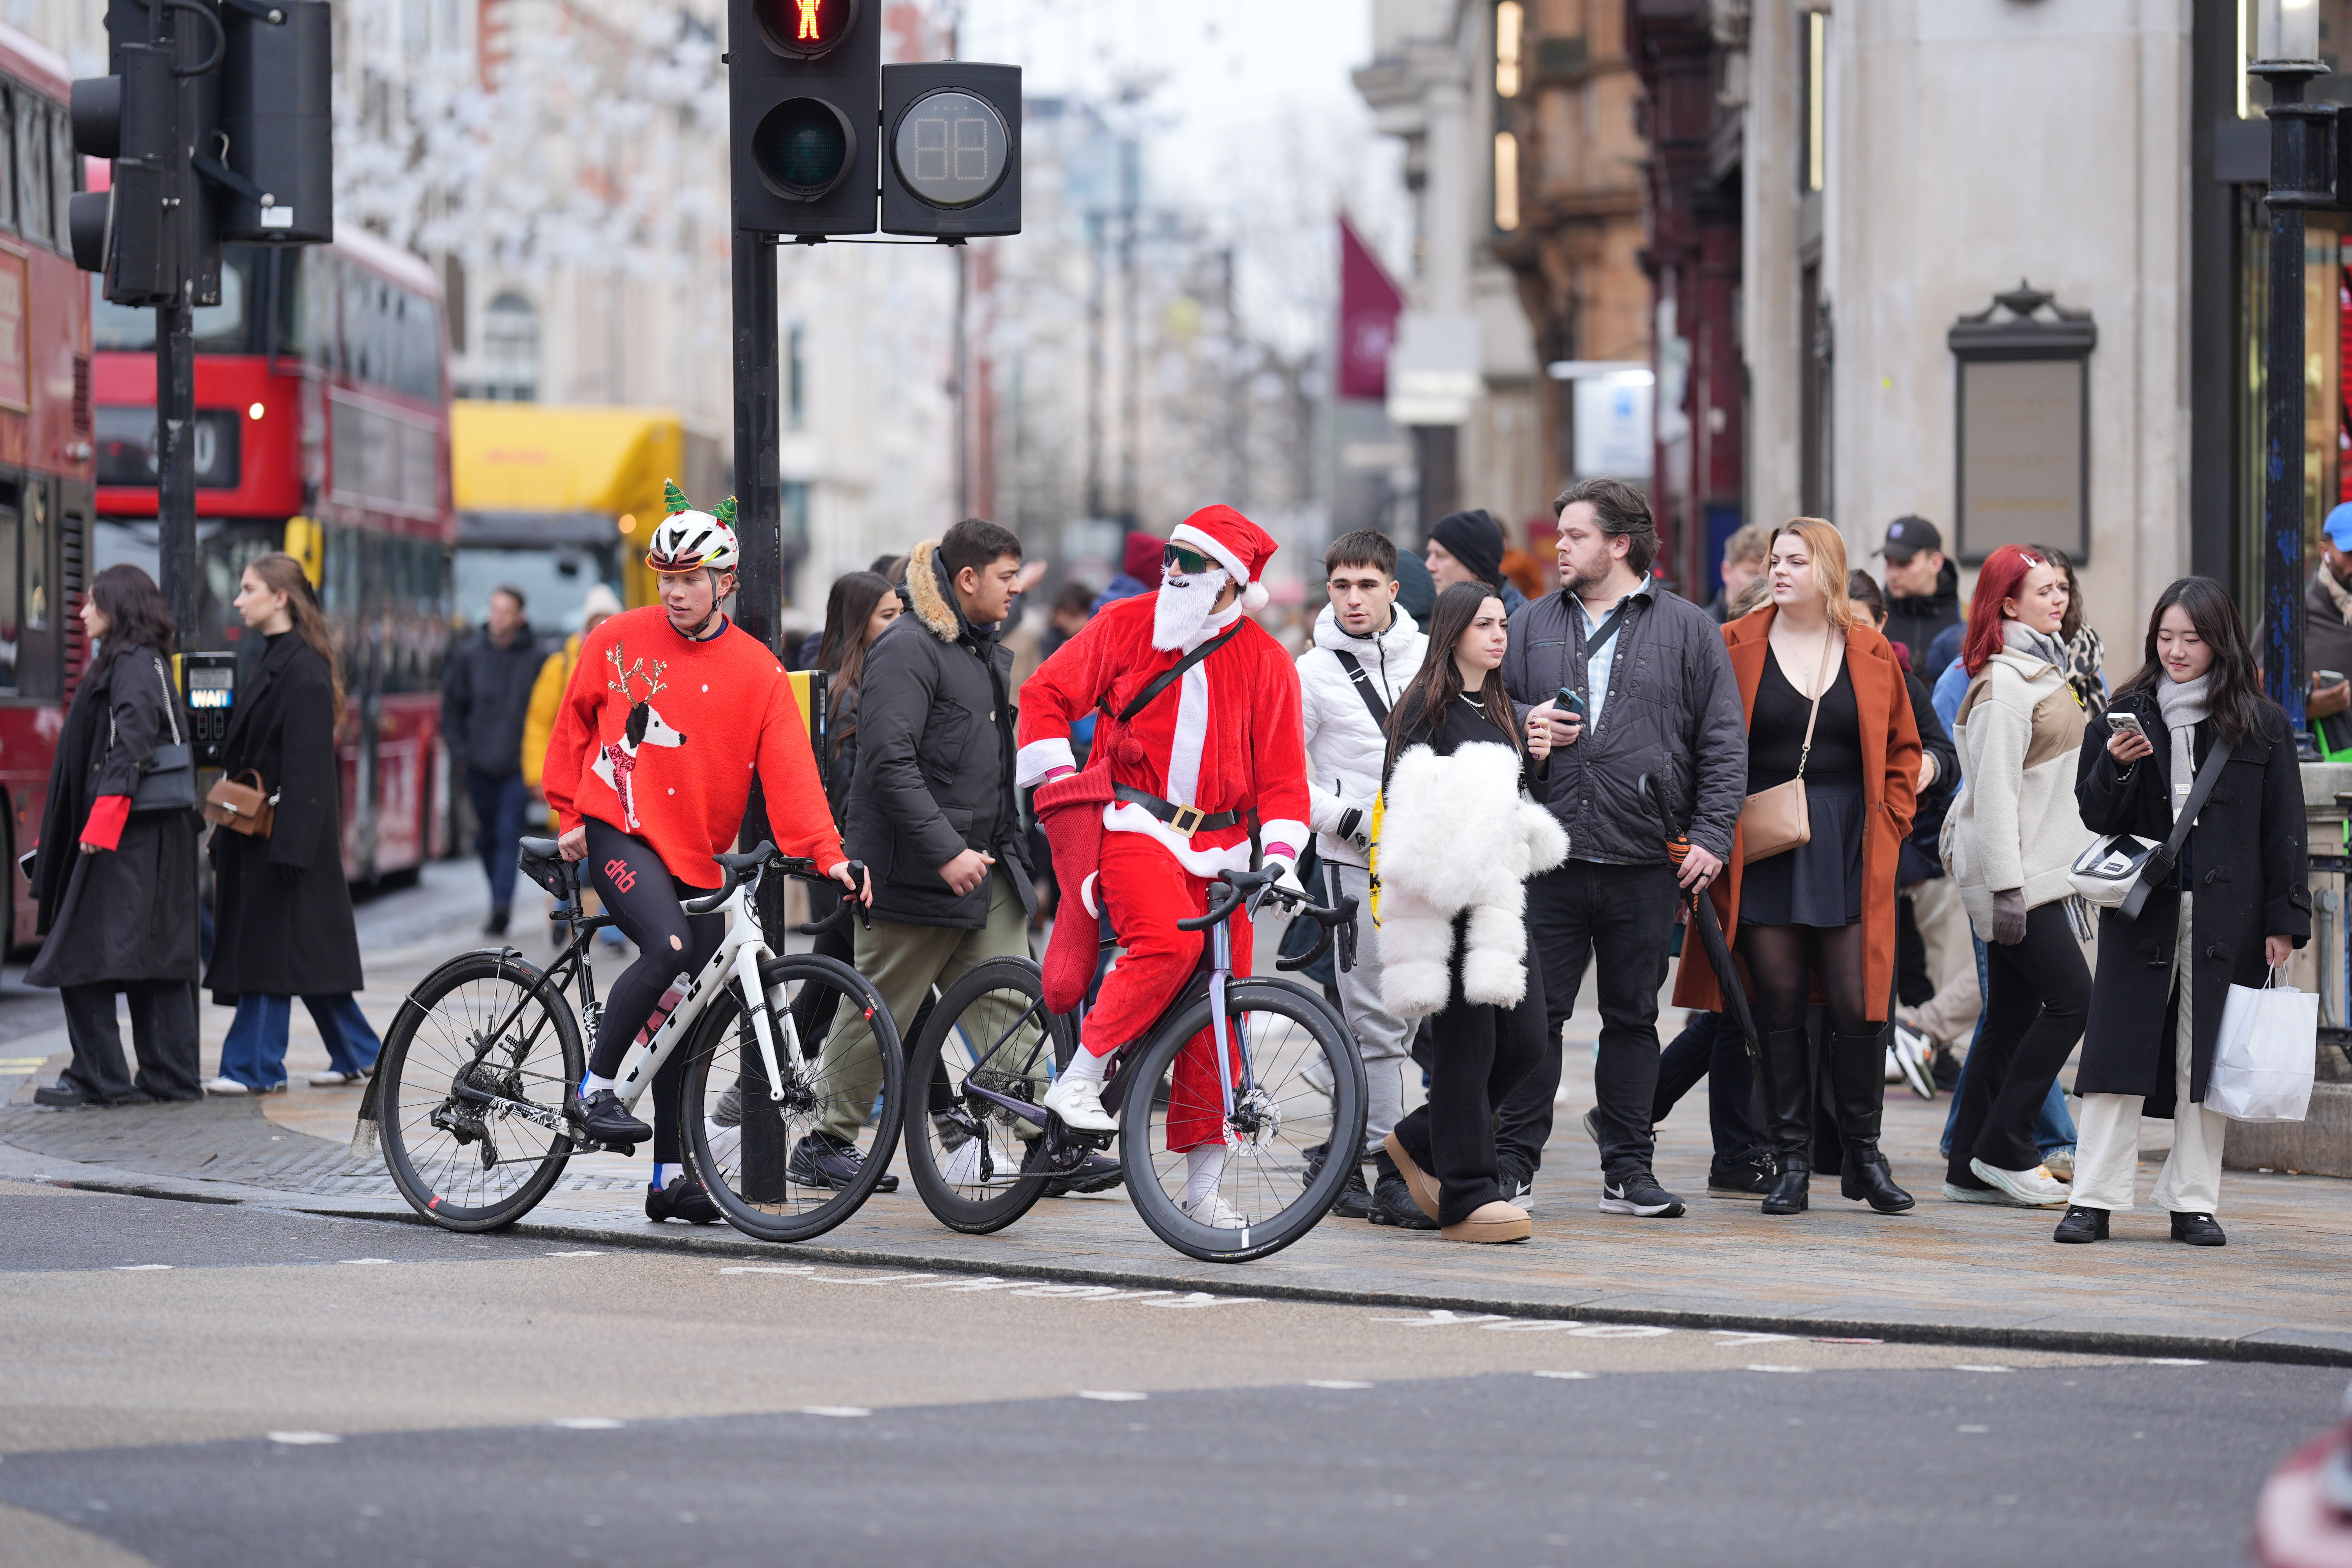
933 601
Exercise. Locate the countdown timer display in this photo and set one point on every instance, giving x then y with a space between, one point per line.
951 149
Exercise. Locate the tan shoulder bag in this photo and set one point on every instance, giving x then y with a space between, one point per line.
1774 821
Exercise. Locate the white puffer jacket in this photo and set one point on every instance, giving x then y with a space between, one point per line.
1456 834
1345 750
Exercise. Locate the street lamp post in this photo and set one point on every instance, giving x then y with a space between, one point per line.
2301 176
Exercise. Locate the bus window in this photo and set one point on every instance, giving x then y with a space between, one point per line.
36 558
7 154
61 173
32 166
8 529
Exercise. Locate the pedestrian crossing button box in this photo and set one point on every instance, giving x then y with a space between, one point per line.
209 682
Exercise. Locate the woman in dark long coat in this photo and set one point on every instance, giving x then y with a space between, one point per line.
283 918
2239 902
118 891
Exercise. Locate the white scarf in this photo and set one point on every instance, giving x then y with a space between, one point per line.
2183 704
1186 610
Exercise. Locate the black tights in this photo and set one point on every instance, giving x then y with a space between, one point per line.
1784 961
645 900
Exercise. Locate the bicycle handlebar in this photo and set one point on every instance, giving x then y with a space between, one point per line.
1239 886
755 863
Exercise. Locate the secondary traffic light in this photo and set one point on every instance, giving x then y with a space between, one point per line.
805 85
275 171
951 149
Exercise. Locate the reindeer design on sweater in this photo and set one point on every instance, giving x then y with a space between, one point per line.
616 761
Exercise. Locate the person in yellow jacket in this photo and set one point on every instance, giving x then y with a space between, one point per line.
547 692
546 697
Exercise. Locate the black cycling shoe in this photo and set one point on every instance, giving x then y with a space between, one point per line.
821 1159
1747 1175
682 1199
1392 1205
605 1120
1095 1174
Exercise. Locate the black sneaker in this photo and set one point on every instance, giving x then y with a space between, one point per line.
1640 1195
1392 1205
63 1095
682 1199
1095 1174
605 1120
821 1159
1355 1199
497 924
1747 1175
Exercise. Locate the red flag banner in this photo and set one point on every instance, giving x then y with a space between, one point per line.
1369 306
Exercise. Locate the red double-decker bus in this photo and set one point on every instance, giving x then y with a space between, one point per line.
322 429
45 444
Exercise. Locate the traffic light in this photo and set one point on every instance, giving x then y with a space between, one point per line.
133 117
276 169
951 149
804 86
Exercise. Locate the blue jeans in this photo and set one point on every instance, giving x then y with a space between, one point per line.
254 1054
498 803
2054 1129
1710 1047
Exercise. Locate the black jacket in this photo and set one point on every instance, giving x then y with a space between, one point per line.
1673 712
935 749
486 698
1915 623
1921 858
284 934
2246 864
127 913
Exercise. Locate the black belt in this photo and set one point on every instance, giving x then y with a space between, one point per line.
1185 819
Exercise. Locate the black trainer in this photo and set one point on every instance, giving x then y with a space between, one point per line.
1095 1174
2083 1224
821 1159
1640 1195
1392 1205
1745 1175
2197 1229
1355 1199
605 1120
682 1199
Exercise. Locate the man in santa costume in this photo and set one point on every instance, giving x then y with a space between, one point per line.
1176 777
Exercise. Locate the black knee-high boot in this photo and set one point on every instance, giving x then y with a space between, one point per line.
1788 1090
1858 1072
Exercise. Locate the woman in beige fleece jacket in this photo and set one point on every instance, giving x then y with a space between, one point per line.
2013 836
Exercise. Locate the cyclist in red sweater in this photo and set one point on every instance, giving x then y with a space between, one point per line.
671 712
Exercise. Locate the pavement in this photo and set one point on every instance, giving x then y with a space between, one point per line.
1944 1273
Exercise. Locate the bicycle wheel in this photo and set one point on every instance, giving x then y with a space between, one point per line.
976 1164
790 1167
474 1029
1297 1082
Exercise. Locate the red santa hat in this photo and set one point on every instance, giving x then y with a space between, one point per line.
1235 542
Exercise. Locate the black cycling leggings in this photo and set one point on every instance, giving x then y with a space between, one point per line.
645 900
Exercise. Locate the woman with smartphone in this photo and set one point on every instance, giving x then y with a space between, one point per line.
2149 1048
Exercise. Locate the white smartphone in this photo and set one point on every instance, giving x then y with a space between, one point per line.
2117 718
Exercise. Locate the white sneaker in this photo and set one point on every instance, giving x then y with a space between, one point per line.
224 1085
959 1166
2031 1189
333 1079
1078 1102
1911 1059
1213 1211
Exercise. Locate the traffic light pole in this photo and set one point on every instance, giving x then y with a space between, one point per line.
759 494
175 462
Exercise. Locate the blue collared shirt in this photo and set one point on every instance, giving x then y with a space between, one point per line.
1597 662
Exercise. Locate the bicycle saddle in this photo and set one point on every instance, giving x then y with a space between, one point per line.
544 848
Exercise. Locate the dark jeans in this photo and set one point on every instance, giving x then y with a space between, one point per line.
163 1028
2034 1010
498 802
1623 918
1710 1047
1481 1051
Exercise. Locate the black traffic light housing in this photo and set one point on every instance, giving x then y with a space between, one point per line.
951 149
805 84
274 160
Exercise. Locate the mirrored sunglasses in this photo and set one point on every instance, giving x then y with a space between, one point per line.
1179 562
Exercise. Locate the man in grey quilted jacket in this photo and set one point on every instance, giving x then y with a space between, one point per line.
1658 699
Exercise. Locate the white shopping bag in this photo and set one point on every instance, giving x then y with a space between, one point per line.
2262 1063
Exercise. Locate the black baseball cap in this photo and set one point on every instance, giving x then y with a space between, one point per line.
1907 536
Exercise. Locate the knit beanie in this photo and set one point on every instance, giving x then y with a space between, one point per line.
1475 540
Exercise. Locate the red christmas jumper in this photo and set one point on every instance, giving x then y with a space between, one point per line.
660 736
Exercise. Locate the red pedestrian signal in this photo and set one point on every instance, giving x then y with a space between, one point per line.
806 28
805 84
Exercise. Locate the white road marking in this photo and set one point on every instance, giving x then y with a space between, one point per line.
1335 1383
1439 1317
303 1439
1579 1375
771 1269
571 1255
1531 1326
349 1261
1980 1369
1841 1339
1971 1428
844 1411
1112 1395
1048 1290
1738 1337
1621 1332
2174 1361
139 1267
587 1423
1767 1366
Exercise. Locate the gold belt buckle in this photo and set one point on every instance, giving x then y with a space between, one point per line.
1188 819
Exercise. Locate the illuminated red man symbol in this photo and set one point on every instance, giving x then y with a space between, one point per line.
808 8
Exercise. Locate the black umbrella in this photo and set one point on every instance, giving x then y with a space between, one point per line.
1702 920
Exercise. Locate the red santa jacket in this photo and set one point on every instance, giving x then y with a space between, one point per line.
1227 737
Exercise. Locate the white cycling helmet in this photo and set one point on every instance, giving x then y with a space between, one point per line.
689 540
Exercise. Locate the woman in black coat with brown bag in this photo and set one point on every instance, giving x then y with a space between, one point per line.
282 911
118 887
2238 902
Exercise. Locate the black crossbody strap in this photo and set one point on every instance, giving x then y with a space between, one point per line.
1174 673
2207 777
1601 636
1364 688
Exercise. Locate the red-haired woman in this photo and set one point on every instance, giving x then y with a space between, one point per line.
1825 701
2013 834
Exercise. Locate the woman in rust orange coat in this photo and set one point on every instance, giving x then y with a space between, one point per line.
1825 701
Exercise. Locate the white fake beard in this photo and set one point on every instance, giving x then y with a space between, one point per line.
1184 608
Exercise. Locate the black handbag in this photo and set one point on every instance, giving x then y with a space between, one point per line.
168 782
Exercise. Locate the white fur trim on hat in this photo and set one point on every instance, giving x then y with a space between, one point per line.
1210 544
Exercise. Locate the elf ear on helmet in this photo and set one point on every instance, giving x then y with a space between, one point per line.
689 540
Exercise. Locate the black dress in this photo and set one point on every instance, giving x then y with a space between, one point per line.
1817 883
